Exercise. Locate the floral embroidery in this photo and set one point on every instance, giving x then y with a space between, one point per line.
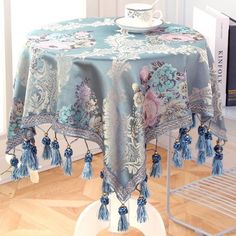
84 113
166 93
63 41
176 37
151 108
15 118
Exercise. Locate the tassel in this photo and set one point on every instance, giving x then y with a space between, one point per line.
103 213
87 171
186 151
123 224
56 155
34 164
156 166
217 165
141 211
23 169
27 159
68 163
15 173
177 159
201 145
144 188
209 148
106 187
201 159
47 152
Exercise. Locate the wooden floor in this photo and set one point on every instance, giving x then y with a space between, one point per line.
51 207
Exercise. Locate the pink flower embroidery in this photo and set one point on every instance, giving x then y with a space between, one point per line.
151 108
84 93
144 75
176 37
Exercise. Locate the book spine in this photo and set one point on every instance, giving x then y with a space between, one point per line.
221 54
231 79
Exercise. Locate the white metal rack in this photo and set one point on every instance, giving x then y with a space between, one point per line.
214 192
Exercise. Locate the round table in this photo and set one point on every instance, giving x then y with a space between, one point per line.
87 79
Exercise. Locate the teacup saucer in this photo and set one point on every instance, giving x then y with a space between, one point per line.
131 26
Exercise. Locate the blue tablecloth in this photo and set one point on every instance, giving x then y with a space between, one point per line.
88 79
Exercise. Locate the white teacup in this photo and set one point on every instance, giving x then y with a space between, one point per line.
142 14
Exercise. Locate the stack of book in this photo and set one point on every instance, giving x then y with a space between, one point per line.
220 33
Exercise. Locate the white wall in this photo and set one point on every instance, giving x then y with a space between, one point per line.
228 7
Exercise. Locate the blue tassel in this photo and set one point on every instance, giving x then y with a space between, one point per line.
217 165
201 145
56 155
47 152
186 151
23 169
87 171
123 224
156 166
201 157
177 159
68 163
144 191
15 173
209 148
28 159
103 213
141 211
34 163
106 187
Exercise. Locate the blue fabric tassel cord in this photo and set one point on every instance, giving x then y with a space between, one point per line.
185 140
68 162
28 159
144 191
156 165
106 187
141 211
201 145
209 148
87 171
14 163
123 224
47 152
103 213
217 165
56 155
177 158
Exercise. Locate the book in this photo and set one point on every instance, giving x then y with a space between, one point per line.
231 78
214 26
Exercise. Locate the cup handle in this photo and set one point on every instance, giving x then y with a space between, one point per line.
158 11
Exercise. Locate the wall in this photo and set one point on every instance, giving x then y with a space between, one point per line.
228 7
